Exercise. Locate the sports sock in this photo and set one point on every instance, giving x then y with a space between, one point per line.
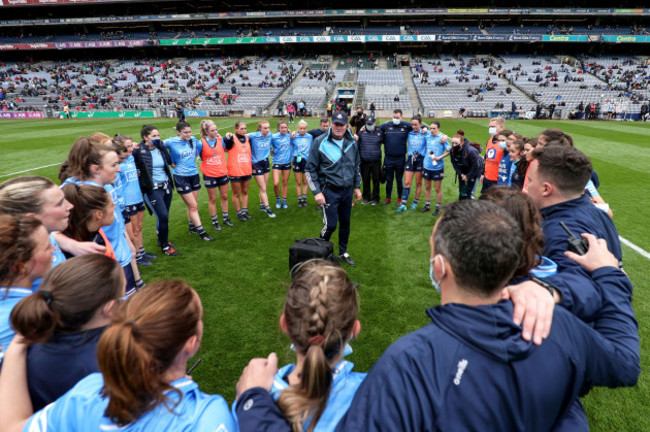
192 225
405 195
225 216
244 210
214 219
428 203
415 201
200 229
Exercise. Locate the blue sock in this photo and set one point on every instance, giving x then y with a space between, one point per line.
405 195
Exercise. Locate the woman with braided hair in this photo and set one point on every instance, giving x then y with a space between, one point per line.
320 317
143 384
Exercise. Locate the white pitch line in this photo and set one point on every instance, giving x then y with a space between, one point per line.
635 247
31 169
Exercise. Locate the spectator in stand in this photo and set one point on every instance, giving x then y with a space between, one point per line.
291 110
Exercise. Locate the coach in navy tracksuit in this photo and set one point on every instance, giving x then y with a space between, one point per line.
470 369
556 182
396 135
333 176
370 141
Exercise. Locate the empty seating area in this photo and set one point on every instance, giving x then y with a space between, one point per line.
549 81
475 83
452 83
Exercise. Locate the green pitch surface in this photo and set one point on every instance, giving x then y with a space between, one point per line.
242 276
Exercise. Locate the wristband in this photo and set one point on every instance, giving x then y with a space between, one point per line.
542 283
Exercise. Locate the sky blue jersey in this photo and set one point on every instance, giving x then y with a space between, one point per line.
301 145
7 302
118 191
57 258
183 154
434 144
281 148
260 146
344 385
416 143
128 175
82 409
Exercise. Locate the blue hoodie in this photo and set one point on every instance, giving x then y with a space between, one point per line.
579 291
470 368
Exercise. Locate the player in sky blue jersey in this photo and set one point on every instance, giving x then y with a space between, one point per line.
41 197
25 256
414 158
321 342
281 150
183 150
133 199
260 151
437 148
301 143
143 384
92 160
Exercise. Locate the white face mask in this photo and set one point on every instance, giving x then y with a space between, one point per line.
396 121
370 127
436 284
503 145
492 131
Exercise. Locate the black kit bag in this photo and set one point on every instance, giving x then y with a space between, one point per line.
310 248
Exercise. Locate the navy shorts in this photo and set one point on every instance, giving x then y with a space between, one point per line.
126 217
433 175
413 166
213 182
299 167
282 167
134 209
239 179
187 184
261 167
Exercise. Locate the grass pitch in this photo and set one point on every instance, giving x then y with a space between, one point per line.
243 275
